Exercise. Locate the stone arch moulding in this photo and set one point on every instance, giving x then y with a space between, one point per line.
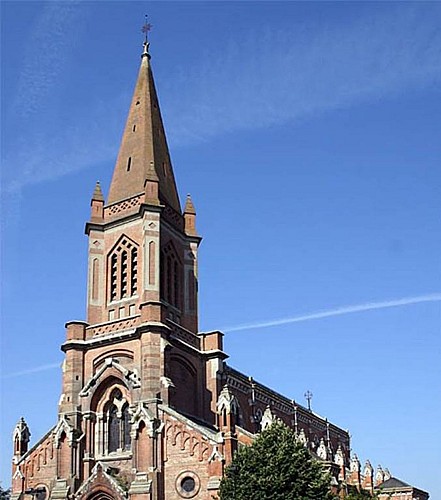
183 361
141 414
127 354
100 494
100 486
184 377
170 246
129 377
63 427
120 240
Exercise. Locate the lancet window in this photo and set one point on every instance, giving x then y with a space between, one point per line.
117 423
123 270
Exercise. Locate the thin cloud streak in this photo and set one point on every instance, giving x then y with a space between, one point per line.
254 80
339 311
287 74
47 58
35 369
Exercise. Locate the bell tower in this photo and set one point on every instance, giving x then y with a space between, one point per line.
142 247
139 350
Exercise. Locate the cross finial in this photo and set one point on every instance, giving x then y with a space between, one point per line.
145 29
308 395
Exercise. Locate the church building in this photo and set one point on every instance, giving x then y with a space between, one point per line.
150 408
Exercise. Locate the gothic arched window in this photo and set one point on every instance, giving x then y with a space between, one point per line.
123 270
117 423
113 429
126 428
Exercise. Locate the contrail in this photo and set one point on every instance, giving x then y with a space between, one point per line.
36 369
339 311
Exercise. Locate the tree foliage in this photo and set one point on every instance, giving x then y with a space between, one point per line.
275 466
355 494
5 494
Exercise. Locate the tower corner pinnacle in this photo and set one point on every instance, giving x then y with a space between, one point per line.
97 204
189 206
97 192
190 217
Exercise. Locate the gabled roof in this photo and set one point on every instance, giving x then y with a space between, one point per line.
393 482
207 431
36 445
101 478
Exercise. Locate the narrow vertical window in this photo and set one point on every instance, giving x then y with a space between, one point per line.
123 274
113 276
129 163
126 428
95 279
169 280
134 128
175 284
162 275
191 291
152 258
171 276
113 429
134 273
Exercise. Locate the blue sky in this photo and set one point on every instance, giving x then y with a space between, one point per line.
309 137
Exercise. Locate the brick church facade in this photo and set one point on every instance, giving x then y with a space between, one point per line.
149 407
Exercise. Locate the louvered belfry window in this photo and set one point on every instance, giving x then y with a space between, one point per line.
123 270
171 279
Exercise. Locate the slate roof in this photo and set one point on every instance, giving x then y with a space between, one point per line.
395 485
393 482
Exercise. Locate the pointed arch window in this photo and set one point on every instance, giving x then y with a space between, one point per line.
123 270
117 423
126 438
113 429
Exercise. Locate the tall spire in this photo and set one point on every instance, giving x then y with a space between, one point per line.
143 154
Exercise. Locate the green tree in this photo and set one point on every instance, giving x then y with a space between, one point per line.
5 494
354 494
276 466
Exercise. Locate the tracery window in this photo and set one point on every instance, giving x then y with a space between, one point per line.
123 270
117 423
